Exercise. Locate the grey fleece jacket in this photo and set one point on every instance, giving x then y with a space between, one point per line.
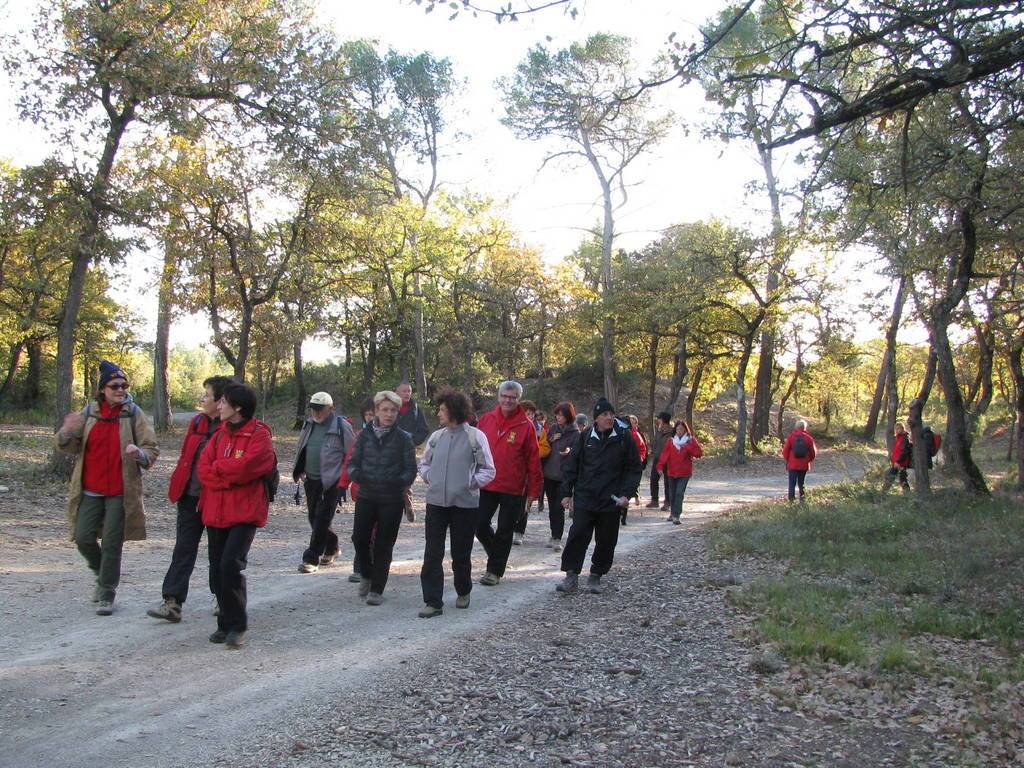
454 469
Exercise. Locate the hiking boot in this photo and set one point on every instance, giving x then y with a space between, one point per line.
308 567
676 521
355 577
517 538
665 507
328 560
219 636
594 585
653 504
489 579
168 610
374 598
104 607
235 639
570 584
364 587
429 612
462 601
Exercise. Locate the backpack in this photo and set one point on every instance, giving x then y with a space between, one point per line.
272 480
933 441
801 448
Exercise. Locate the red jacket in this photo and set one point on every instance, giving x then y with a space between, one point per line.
641 443
513 443
679 461
198 429
231 470
901 453
101 459
795 462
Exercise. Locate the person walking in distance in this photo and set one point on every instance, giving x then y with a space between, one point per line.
676 464
900 458
184 492
663 431
513 442
112 441
599 477
383 464
233 468
455 464
562 437
641 447
324 443
412 420
798 451
543 450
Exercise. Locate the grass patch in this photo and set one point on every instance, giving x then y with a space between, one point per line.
870 571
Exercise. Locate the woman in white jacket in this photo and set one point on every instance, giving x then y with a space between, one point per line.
455 464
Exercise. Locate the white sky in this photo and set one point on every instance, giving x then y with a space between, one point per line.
685 178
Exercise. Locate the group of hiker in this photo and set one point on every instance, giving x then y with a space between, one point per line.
474 471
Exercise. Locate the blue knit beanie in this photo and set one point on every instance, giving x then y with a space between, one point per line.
108 371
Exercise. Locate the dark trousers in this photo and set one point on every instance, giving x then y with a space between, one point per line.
101 517
497 542
321 504
655 478
556 515
892 474
229 555
796 478
603 526
186 549
520 526
678 486
461 521
386 514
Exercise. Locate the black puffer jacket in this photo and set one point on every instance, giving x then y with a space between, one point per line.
383 467
601 466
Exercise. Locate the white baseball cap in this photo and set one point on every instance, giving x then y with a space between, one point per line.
321 398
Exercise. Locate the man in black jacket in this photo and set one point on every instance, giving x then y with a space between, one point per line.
599 477
412 420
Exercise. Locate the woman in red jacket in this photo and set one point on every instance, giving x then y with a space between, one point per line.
798 451
233 501
676 464
899 457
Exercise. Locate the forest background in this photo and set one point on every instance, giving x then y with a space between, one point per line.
789 207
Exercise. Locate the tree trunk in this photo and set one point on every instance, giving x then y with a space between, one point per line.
161 351
1013 359
34 373
691 396
301 397
652 373
888 360
739 445
12 369
680 368
915 421
83 252
892 405
790 391
958 448
980 396
419 353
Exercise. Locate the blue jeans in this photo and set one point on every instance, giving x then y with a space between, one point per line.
796 477
678 485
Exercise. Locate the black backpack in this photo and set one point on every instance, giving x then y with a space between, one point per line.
931 443
272 480
801 448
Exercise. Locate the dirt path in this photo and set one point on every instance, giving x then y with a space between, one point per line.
79 689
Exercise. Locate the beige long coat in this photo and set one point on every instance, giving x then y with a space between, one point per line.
131 470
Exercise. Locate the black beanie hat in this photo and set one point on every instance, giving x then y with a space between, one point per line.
601 406
108 371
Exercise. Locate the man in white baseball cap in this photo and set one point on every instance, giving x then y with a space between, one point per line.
326 439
